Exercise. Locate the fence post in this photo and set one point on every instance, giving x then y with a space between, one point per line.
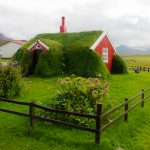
126 108
31 115
98 123
142 98
140 68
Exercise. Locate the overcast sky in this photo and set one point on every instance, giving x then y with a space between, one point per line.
126 22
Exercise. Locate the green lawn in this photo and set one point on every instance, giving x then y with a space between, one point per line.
4 60
138 60
131 135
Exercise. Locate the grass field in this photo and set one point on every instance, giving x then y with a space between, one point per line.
4 60
131 135
138 60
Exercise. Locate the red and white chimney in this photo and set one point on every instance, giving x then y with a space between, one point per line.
63 26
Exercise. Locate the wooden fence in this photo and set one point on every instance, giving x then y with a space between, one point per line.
98 117
140 68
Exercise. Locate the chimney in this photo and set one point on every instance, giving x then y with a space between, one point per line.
63 27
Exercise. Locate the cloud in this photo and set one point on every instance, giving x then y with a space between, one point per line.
126 22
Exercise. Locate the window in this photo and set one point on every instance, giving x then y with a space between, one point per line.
38 46
105 55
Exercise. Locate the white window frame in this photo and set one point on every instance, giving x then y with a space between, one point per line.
105 55
38 46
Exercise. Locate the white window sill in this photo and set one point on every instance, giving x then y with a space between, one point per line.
105 61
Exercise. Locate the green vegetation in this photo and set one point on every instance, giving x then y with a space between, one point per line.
49 63
4 60
78 95
10 82
68 53
86 39
84 62
138 60
118 65
133 135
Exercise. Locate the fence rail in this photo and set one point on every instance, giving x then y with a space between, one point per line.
139 68
98 117
64 112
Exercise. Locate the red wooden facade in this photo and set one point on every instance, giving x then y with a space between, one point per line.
105 43
38 45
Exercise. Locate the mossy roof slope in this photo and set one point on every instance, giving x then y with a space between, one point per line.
50 43
84 39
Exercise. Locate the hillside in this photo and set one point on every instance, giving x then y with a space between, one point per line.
4 37
126 50
138 60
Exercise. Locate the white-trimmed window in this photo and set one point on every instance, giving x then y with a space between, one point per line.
105 55
38 46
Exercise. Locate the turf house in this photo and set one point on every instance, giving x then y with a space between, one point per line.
82 53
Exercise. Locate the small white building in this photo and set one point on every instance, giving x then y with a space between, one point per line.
9 48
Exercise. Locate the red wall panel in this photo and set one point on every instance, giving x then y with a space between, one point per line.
41 47
105 43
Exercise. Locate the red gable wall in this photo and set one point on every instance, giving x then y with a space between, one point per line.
105 43
41 47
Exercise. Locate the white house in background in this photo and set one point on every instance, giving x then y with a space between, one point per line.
9 48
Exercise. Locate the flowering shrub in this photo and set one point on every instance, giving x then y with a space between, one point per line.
79 95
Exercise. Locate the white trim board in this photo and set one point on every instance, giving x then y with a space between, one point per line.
43 44
111 43
93 47
98 41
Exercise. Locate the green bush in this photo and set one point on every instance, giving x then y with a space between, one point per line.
24 58
10 82
50 63
84 62
78 95
118 65
19 54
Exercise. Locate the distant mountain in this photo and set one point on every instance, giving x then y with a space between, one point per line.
126 50
3 37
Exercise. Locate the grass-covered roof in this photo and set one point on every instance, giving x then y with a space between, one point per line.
84 39
68 53
50 43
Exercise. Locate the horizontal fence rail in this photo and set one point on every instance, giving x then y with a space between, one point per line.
65 123
125 113
14 101
64 112
98 117
14 112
